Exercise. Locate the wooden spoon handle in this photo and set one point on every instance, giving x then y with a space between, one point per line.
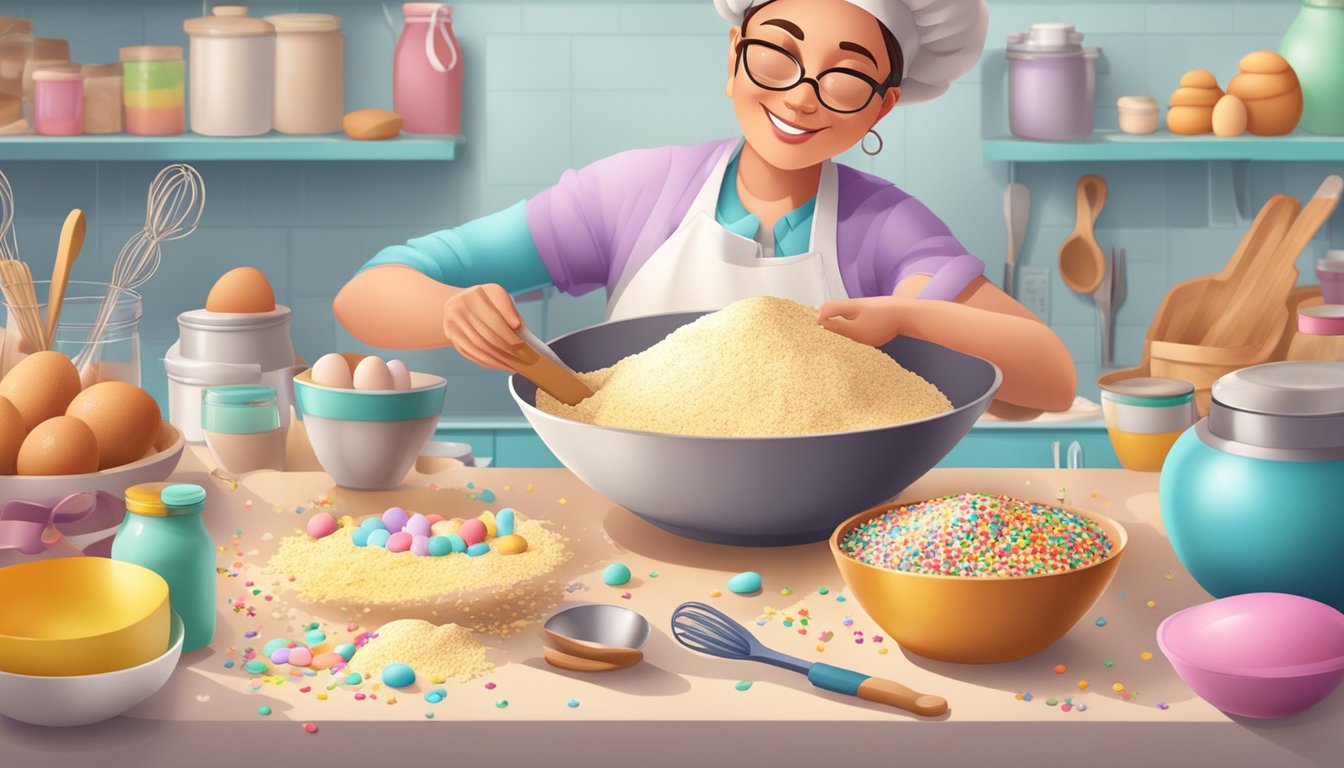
1091 194
72 240
558 382
896 695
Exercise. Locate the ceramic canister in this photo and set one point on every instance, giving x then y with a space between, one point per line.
1253 496
1051 83
1144 416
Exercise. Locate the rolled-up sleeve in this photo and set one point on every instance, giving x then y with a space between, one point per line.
914 241
492 249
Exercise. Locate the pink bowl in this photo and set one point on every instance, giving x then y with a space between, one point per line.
1262 655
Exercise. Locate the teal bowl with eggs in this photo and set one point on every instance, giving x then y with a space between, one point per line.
369 439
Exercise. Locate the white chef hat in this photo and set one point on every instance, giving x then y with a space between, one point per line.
940 39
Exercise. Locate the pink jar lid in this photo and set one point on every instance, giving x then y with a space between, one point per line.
1321 320
64 72
409 10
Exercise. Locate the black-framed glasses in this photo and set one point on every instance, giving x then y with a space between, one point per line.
773 68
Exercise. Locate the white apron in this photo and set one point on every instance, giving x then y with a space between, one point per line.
704 267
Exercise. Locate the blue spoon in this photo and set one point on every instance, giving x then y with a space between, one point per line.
707 630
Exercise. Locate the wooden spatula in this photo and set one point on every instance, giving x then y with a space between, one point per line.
539 365
72 240
1270 278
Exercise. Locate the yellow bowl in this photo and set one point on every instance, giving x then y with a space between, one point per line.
81 616
976 620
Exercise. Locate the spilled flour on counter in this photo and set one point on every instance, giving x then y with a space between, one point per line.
333 571
760 367
434 652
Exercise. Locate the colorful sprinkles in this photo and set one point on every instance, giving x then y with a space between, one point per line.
978 535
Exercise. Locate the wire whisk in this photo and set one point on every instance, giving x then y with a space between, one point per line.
173 209
9 242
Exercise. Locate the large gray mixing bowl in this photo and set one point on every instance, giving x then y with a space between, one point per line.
754 491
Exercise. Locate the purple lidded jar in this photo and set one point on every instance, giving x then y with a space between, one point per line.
1051 83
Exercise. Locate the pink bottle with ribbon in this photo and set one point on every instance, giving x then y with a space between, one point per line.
427 71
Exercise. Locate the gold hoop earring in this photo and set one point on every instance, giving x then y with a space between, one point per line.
863 143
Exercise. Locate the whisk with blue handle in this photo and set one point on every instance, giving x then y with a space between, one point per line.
708 630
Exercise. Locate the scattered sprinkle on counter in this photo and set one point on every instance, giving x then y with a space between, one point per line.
978 535
1118 687
264 711
310 728
502 704
1082 685
744 685
1146 656
1152 603
1060 669
572 703
1101 621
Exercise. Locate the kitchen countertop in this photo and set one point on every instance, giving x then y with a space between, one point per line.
679 708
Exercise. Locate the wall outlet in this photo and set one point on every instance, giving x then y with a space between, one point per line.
1033 290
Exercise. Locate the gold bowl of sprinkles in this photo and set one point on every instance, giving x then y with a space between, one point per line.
976 578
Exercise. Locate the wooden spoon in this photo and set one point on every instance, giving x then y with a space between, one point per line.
539 365
576 663
607 654
72 240
1081 262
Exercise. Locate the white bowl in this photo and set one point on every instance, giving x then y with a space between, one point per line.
87 699
369 439
49 489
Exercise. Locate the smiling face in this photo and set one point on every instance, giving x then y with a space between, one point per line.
793 129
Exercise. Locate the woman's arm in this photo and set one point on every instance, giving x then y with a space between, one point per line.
984 321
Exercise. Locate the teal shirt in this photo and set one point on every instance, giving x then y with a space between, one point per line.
498 248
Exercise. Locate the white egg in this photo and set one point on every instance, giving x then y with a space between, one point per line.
372 373
401 375
331 370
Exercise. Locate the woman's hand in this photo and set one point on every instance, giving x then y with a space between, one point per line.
873 321
481 322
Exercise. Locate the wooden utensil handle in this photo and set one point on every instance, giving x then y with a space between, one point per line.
896 695
1091 198
561 384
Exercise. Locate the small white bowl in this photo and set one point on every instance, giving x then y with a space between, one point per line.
87 699
369 439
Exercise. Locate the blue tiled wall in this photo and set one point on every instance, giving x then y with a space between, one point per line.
552 85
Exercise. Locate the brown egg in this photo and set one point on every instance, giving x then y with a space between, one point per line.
41 386
1229 116
124 418
241 290
60 446
12 432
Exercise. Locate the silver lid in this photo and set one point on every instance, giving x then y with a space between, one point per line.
1049 39
1291 411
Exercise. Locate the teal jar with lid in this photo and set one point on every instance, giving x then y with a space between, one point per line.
1314 46
163 531
242 428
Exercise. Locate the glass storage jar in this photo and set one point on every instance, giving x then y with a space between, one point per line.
102 98
154 90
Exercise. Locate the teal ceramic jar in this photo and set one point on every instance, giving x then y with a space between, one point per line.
1314 45
163 532
1253 496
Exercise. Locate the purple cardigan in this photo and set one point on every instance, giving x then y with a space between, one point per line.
610 216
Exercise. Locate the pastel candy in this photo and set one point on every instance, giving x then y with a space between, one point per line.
473 531
280 656
279 642
372 523
440 546
300 657
418 525
512 544
442 528
322 525
504 521
458 543
345 650
360 536
398 675
325 661
456 524
378 538
394 519
314 636
616 574
478 549
399 542
745 583
420 545
435 519
488 518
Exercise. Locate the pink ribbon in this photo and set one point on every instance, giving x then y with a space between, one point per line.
31 527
